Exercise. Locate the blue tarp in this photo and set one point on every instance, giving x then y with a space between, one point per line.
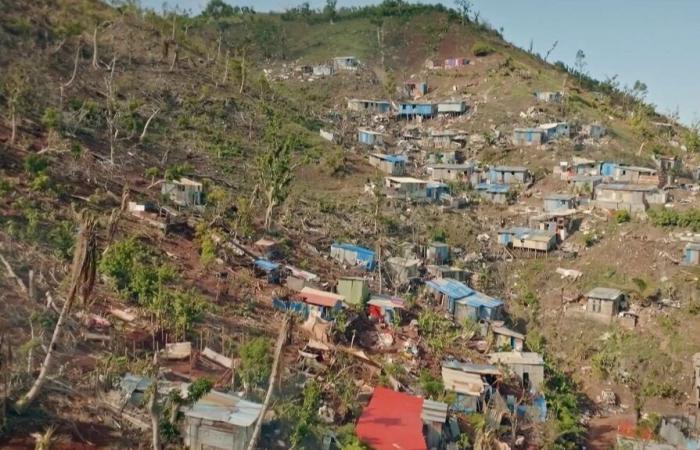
267 266
365 255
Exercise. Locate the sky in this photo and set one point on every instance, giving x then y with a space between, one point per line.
654 41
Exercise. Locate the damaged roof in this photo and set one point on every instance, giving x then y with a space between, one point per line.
523 358
220 407
319 298
462 382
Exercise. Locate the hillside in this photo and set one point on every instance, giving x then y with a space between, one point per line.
102 107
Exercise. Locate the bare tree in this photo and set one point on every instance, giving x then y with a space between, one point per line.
112 113
551 49
81 285
17 88
275 174
95 59
154 412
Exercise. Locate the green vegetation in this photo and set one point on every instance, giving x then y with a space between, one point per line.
663 217
256 362
622 216
482 49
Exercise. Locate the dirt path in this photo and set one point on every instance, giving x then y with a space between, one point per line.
602 431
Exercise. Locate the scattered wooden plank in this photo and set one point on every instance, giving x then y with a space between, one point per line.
122 315
218 358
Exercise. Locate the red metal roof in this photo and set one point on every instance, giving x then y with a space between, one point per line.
630 430
392 421
320 298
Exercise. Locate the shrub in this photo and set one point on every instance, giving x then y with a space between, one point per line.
432 386
51 118
35 164
256 361
41 182
482 49
622 216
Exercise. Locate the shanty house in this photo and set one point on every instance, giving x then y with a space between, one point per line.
529 136
445 271
528 366
468 388
415 89
604 303
395 420
477 306
450 172
594 130
319 303
322 70
403 269
527 239
375 106
494 193
353 255
585 183
391 164
509 175
183 192
345 63
634 174
437 253
447 291
452 63
354 289
549 97
406 188
691 254
269 268
445 139
369 137
507 338
452 108
559 222
267 248
629 197
556 130
384 308
559 202
220 421
410 109
435 190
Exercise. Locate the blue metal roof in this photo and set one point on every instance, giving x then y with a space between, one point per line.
362 253
451 288
521 232
394 158
267 266
478 299
493 188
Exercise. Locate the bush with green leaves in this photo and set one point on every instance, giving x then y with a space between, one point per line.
35 164
622 216
663 217
256 362
482 49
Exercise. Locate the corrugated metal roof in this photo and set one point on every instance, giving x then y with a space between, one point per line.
366 131
434 411
529 233
479 299
465 166
266 265
462 382
604 293
220 407
507 332
509 169
392 421
390 158
406 180
625 187
586 178
559 196
526 358
385 301
692 246
452 288
493 188
480 369
318 297
528 130
362 252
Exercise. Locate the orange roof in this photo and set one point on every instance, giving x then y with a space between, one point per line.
320 298
630 430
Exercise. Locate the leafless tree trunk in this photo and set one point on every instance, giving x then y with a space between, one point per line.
226 69
240 91
82 282
112 111
148 122
95 64
549 52
13 124
154 412
281 340
218 48
172 64
72 78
